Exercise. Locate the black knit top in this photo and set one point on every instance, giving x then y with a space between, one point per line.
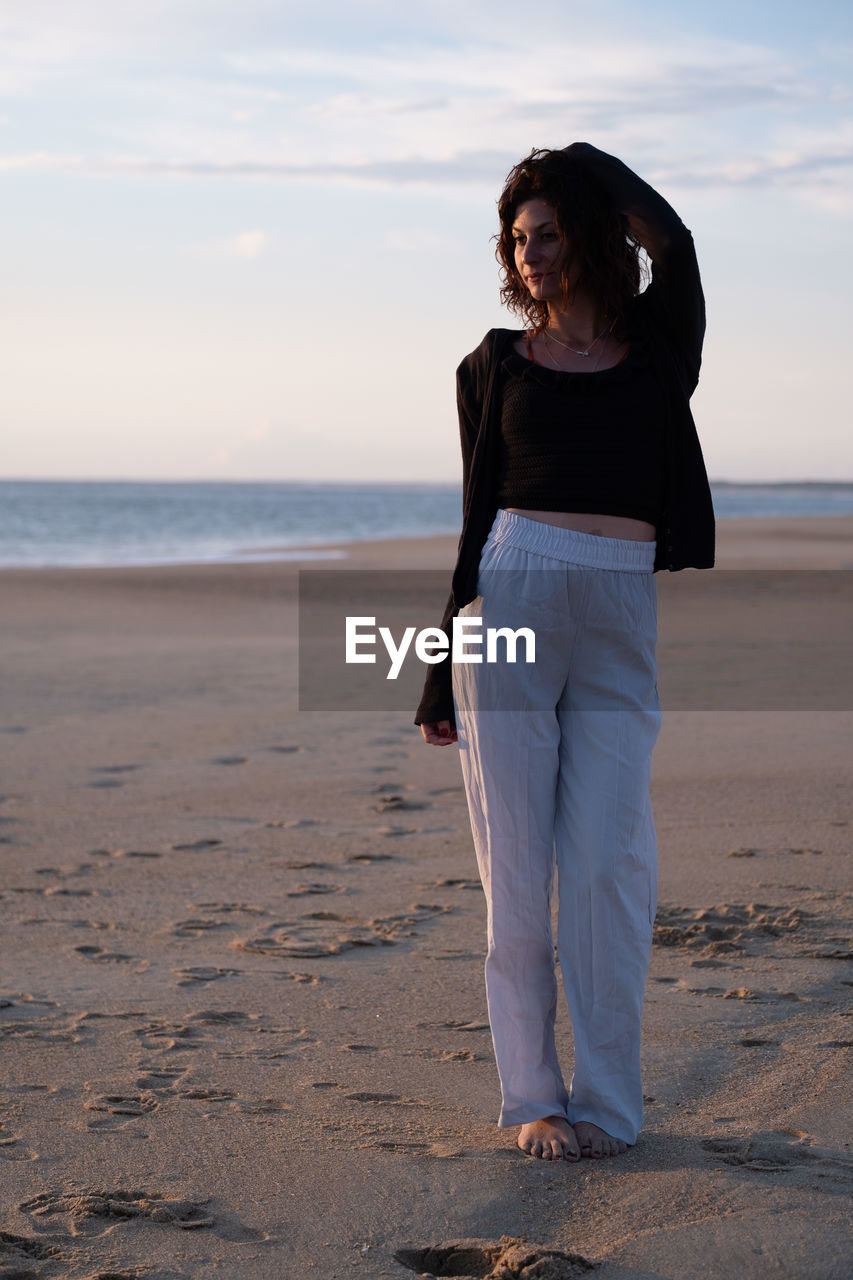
582 441
668 318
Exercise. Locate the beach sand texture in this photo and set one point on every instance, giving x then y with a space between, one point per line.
241 1000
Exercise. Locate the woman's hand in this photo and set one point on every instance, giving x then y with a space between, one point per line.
440 734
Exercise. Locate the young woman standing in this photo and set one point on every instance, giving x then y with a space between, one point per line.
582 475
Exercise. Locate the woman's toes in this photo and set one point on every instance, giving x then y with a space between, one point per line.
595 1144
550 1139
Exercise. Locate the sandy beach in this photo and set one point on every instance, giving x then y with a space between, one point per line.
241 1000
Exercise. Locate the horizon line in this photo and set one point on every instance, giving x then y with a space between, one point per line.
349 483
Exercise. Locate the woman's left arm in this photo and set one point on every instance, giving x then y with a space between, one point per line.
675 293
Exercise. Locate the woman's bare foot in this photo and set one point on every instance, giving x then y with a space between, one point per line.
550 1139
595 1143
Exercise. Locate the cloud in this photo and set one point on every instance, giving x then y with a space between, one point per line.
453 108
830 170
249 244
246 244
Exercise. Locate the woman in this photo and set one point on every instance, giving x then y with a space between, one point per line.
582 475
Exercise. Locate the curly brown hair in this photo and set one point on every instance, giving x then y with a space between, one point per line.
601 248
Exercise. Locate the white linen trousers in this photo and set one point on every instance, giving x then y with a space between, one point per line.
556 761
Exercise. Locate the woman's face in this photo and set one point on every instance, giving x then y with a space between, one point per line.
539 249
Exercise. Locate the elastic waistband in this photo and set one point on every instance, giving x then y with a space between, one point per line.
588 550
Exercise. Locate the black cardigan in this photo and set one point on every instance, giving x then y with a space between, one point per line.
670 317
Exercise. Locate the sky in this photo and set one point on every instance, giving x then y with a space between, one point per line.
252 239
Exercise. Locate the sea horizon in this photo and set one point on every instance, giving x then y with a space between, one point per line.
61 523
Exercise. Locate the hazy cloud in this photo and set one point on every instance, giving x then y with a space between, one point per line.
262 97
246 244
249 244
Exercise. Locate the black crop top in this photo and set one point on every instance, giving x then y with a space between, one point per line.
583 441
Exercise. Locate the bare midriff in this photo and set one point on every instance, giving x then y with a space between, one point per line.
600 526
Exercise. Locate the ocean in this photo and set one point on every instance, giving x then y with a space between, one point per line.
110 523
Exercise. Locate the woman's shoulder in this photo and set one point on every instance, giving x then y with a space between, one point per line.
494 345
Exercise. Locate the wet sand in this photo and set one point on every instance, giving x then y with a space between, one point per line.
242 1015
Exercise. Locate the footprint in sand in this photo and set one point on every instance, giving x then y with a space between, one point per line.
93 1211
231 908
435 1150
90 952
293 824
13 1148
202 974
230 760
474 1025
448 882
740 993
367 858
160 1079
255 1055
259 1106
326 933
493 1259
781 1151
51 1029
205 843
393 1098
226 1018
725 927
25 1004
393 803
17 1253
133 1274
202 1093
454 1055
49 890
760 853
197 927
314 887
6 822
131 853
277 1043
168 1036
59 891
47 1034
118 1110
284 750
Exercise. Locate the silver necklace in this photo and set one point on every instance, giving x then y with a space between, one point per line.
546 336
574 350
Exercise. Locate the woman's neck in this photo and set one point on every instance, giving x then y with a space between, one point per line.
579 324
